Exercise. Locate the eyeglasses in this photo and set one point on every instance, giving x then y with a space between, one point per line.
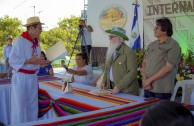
40 28
111 36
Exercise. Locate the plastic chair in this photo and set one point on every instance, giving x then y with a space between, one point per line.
187 88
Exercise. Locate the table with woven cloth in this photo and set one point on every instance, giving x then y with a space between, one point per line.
81 108
52 86
126 114
5 97
79 94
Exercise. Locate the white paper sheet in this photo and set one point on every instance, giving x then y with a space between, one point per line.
57 51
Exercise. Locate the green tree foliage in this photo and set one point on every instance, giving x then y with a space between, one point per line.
71 29
49 38
66 32
9 26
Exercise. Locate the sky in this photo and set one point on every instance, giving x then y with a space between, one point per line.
49 11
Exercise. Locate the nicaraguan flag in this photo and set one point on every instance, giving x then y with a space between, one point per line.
135 41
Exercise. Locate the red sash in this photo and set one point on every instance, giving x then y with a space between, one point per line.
27 71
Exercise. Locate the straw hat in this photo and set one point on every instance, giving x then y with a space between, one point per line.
81 19
9 37
118 31
32 21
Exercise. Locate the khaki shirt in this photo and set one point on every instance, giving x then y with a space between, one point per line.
157 55
124 71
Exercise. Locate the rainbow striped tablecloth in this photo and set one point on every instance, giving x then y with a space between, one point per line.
40 79
61 106
110 99
119 115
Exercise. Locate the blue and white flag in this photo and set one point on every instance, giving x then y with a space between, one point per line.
135 41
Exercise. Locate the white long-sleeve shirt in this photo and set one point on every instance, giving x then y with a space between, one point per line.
20 53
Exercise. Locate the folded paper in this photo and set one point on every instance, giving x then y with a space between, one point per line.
101 92
57 51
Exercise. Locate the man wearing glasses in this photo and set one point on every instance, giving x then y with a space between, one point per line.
121 65
160 64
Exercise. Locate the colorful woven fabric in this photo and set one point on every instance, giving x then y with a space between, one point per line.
47 78
129 115
61 106
5 81
115 100
40 79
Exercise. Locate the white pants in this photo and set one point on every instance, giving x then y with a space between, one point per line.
24 98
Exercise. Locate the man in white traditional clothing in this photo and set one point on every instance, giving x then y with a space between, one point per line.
25 61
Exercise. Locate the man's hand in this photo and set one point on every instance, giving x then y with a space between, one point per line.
102 85
115 90
35 60
90 29
146 83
